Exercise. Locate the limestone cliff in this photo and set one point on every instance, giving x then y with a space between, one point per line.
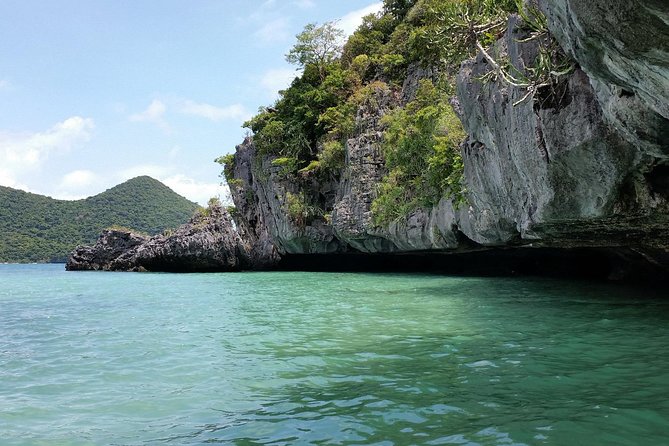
582 165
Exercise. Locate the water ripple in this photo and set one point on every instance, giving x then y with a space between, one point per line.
297 358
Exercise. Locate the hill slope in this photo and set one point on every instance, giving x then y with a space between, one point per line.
35 228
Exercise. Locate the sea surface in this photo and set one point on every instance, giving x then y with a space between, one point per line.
289 358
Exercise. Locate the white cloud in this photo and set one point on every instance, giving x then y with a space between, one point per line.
154 113
351 21
273 31
78 179
232 112
197 191
277 79
76 185
7 179
304 4
23 153
5 84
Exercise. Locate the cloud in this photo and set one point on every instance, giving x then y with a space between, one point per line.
7 179
23 153
76 185
304 4
235 112
351 21
273 31
194 190
154 113
277 79
78 179
5 84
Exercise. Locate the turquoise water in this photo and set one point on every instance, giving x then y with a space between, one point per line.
316 358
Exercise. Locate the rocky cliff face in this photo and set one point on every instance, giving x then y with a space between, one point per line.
581 164
209 242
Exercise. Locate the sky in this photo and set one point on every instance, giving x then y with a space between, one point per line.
95 92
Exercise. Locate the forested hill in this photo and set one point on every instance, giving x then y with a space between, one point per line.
36 228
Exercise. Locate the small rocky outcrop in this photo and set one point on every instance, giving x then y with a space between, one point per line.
208 242
113 249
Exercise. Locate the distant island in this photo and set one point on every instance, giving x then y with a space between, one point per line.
36 228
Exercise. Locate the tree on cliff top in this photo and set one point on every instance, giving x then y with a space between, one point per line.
398 8
317 45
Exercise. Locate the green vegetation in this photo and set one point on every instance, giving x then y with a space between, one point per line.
306 130
288 165
550 65
332 156
299 210
422 152
316 46
449 31
228 163
213 204
35 228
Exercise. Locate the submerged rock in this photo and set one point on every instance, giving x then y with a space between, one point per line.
208 242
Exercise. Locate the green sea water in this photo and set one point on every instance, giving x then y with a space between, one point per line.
339 359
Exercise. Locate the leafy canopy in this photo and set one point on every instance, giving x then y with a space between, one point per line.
317 45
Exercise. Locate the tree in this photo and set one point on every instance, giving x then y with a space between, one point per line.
398 8
317 45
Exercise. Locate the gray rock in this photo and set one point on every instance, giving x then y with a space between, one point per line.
112 246
364 169
208 242
260 198
624 43
565 173
543 159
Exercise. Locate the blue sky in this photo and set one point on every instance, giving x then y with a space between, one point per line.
95 92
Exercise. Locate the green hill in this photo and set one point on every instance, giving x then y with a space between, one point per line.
35 228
